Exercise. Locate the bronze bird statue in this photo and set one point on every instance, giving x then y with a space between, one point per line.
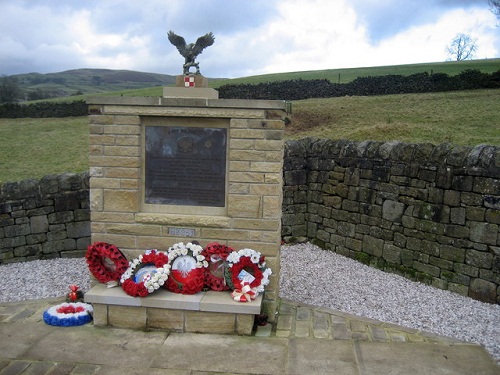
192 50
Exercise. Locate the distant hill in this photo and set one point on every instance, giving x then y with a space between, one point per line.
86 81
78 83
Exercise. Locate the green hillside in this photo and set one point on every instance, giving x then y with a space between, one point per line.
85 81
346 75
349 74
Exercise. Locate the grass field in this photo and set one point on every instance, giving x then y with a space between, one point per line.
463 118
33 148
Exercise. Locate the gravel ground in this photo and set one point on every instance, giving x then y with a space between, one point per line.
42 278
313 276
322 278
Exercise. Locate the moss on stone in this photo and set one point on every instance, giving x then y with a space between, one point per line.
363 258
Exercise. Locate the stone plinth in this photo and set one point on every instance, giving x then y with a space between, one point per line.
204 312
190 86
250 213
190 92
193 81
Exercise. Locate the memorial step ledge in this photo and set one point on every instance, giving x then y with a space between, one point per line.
210 301
204 312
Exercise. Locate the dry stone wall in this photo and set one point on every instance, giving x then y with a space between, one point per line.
431 213
47 218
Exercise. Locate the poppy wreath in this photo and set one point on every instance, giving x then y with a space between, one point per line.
247 274
188 268
155 270
68 314
216 255
106 262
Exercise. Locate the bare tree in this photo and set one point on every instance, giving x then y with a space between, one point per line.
462 47
495 7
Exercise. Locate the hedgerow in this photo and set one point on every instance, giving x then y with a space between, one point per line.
44 109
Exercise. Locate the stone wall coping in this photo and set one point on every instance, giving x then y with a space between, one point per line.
210 301
189 102
466 158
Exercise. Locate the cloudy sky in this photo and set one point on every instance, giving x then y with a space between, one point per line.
252 36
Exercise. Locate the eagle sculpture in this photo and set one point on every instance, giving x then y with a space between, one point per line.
192 50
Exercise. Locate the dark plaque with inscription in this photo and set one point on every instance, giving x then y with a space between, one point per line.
185 166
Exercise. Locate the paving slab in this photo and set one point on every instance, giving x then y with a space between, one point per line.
16 368
18 337
62 369
315 356
365 347
222 353
88 344
423 359
108 370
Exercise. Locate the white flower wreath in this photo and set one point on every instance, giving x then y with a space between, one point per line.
153 280
188 268
194 250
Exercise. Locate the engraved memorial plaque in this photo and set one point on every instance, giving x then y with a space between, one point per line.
185 166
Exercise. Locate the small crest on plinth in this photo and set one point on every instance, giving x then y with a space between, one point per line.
190 86
189 81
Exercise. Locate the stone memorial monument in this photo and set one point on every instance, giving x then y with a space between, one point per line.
186 167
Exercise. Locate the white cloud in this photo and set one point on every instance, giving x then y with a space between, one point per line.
427 43
326 34
322 34
252 37
104 50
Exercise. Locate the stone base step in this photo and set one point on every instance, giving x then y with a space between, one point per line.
204 312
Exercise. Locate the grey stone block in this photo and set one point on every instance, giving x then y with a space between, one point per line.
78 229
479 259
392 254
484 232
393 211
483 290
39 224
452 253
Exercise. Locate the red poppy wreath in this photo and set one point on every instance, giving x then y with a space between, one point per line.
106 262
216 255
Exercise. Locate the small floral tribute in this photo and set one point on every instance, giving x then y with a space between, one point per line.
244 294
188 268
216 255
75 295
106 262
68 314
247 274
146 273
